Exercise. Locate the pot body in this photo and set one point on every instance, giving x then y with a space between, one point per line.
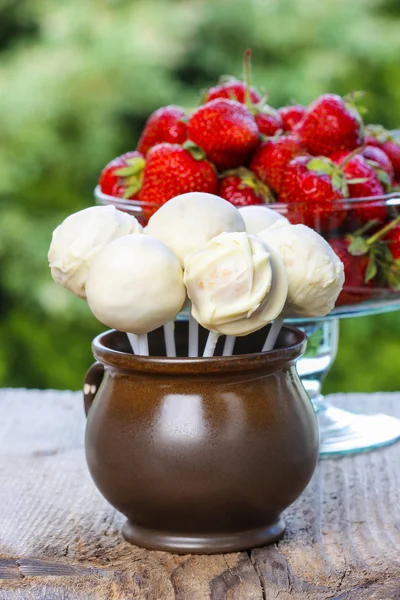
200 459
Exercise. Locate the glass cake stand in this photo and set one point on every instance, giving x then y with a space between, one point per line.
341 432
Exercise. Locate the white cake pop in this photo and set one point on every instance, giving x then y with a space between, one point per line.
236 284
260 217
79 238
135 284
315 272
187 221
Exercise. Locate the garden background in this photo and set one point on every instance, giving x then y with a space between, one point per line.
77 81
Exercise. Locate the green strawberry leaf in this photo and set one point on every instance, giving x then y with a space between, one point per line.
381 134
358 247
371 271
195 150
137 162
125 171
337 181
132 190
320 165
355 95
393 276
362 110
383 178
203 96
358 180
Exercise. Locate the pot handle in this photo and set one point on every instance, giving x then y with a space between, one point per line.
93 378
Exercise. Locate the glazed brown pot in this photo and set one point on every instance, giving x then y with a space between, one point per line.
201 454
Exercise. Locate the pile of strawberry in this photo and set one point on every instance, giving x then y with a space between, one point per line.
237 146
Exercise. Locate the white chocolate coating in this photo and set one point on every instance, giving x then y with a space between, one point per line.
236 284
80 238
257 218
187 221
315 272
135 284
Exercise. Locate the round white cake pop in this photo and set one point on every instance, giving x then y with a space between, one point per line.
236 283
257 218
315 272
135 284
79 238
187 221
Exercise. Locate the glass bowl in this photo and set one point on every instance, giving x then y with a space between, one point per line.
342 218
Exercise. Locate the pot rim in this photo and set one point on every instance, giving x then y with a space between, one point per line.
270 360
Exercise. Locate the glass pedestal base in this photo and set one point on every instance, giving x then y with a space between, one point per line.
341 432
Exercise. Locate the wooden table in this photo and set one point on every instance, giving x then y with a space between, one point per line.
60 540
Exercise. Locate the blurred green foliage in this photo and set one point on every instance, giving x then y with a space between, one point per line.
77 81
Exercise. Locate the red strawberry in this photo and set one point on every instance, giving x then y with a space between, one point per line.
271 158
330 124
225 130
233 89
392 149
172 170
393 239
266 117
122 176
380 161
167 124
242 188
311 186
384 139
355 289
366 184
268 120
291 115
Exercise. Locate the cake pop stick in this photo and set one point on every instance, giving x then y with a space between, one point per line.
169 334
273 334
236 284
134 342
193 335
212 340
135 284
143 345
229 345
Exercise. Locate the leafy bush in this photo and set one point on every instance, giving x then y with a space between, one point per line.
78 80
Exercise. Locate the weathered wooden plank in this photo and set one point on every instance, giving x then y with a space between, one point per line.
60 540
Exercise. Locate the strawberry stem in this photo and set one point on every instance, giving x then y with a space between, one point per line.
379 234
352 154
365 228
247 76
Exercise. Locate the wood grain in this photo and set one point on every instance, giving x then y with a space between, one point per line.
59 540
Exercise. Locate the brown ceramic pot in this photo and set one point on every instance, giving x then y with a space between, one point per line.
201 454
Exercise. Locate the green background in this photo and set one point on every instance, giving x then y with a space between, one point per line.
77 81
